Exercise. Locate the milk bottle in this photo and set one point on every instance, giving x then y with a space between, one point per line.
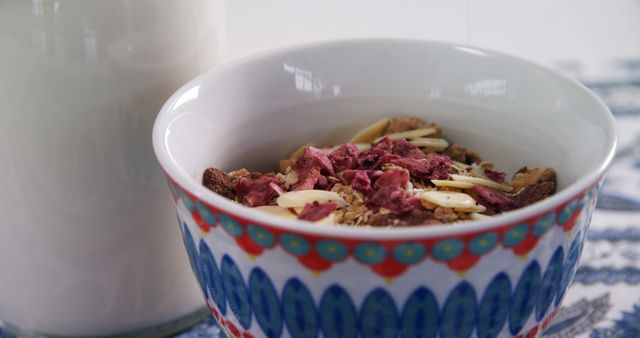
89 243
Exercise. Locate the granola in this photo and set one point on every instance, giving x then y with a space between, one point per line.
395 172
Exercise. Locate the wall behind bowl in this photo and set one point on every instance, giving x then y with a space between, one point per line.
546 31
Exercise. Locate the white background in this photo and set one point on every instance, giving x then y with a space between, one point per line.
547 31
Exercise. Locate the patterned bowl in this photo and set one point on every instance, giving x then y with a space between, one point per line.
264 276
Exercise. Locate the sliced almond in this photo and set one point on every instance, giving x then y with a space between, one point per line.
298 152
449 199
276 210
476 208
409 134
276 188
434 143
481 181
477 216
360 146
297 199
461 167
371 132
452 184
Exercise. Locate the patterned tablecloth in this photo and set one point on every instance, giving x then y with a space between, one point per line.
604 300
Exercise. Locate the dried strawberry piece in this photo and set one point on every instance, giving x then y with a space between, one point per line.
392 197
313 158
377 156
344 157
398 177
385 144
367 161
322 183
359 180
316 211
374 175
307 179
389 193
350 174
257 192
405 148
493 199
375 161
310 166
433 167
495 175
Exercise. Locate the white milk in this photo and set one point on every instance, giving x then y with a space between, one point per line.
89 242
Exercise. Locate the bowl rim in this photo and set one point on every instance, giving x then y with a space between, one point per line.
182 179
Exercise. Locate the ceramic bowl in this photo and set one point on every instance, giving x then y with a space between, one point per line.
263 276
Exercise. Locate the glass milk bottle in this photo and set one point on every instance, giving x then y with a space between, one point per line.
89 244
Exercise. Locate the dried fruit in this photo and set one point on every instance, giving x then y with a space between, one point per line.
344 157
389 193
257 192
404 148
307 179
379 154
432 167
494 199
310 166
359 180
313 158
316 211
495 175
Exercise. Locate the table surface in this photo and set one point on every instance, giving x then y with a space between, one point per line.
604 300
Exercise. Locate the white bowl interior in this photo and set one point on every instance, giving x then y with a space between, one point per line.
254 112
